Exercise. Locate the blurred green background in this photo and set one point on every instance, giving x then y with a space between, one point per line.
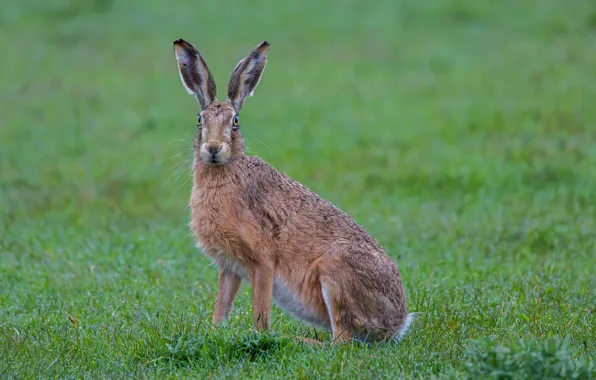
460 133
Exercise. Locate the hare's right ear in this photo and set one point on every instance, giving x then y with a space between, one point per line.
247 74
194 73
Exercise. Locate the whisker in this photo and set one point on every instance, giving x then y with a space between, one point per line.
169 158
177 167
254 153
180 139
185 138
186 173
262 143
181 170
185 181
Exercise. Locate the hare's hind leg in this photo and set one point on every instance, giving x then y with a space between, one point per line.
332 298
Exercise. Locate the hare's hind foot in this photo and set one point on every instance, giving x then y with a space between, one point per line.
342 321
341 332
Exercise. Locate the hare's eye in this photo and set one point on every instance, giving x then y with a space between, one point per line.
235 122
199 120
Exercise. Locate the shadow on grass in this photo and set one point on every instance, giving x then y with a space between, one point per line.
209 349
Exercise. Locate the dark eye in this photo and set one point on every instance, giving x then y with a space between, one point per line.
235 122
199 119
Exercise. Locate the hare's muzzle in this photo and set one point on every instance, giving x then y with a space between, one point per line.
213 153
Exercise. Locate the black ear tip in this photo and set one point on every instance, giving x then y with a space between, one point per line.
185 45
263 47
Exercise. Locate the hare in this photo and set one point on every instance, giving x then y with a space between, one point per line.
259 225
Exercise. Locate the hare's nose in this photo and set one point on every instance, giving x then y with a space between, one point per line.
213 148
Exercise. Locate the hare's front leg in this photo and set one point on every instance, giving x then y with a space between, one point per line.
229 283
261 279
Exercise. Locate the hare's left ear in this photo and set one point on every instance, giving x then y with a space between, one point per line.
246 75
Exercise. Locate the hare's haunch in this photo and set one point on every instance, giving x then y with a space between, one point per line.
259 225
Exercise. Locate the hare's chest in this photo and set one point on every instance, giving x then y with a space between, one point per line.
215 232
214 223
221 245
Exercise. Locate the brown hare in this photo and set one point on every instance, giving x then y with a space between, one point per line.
259 225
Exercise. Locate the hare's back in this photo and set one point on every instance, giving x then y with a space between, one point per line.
285 205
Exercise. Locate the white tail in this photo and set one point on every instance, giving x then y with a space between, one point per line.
404 328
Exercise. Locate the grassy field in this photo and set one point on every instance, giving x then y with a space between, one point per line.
460 133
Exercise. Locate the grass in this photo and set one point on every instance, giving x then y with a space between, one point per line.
460 133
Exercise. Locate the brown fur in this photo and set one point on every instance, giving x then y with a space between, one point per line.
260 225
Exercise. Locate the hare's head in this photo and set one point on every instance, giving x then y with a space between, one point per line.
219 137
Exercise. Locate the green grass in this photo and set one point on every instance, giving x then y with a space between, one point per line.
460 133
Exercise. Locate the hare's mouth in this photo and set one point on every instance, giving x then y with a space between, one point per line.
215 160
214 156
